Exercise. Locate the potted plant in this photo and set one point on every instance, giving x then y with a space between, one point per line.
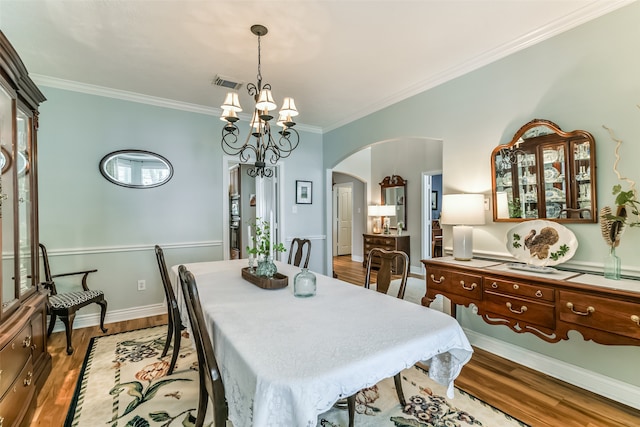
262 247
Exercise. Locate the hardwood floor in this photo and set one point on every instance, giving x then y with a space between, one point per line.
530 396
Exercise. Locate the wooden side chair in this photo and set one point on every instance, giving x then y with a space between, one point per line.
174 326
300 247
65 305
211 386
387 260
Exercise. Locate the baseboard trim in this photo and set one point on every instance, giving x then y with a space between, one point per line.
619 391
93 319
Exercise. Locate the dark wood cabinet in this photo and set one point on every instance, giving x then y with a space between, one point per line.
388 242
546 305
25 362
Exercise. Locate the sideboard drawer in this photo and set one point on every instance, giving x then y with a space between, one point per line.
534 292
466 285
596 312
532 312
20 391
13 357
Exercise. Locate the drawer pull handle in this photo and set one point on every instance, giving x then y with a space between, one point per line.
437 281
539 293
590 310
635 319
516 287
26 342
27 381
522 309
494 285
468 288
1 421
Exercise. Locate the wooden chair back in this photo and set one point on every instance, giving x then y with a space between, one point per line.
174 325
387 260
211 386
302 249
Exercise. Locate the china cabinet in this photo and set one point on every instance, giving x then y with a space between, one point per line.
24 359
545 173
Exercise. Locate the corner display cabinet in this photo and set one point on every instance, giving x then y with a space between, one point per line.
25 362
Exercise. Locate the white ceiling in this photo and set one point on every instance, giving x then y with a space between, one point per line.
340 60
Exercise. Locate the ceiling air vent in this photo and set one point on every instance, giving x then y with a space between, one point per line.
226 82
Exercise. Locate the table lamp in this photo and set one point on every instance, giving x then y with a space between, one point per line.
387 211
462 211
374 211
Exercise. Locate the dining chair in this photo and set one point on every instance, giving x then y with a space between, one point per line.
387 260
174 327
211 386
64 305
299 246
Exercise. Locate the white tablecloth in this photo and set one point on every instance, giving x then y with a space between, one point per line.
285 360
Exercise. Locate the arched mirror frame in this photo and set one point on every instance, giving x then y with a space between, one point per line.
531 152
390 183
113 154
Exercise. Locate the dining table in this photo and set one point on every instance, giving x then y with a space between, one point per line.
285 360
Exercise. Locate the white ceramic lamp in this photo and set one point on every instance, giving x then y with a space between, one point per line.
387 211
462 211
374 211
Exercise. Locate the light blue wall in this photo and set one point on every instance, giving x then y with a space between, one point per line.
88 222
582 79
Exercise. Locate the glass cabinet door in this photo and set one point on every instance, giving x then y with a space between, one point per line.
582 160
24 224
527 181
554 179
7 106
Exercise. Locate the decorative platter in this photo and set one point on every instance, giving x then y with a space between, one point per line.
541 243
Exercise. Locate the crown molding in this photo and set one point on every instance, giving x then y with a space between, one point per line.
89 89
586 14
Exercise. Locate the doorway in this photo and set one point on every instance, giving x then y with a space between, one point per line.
343 220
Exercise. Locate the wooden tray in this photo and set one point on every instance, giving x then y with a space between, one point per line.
278 280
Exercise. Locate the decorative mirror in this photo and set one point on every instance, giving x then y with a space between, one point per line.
545 172
136 168
393 193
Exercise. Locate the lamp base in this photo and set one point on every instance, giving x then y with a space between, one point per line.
462 242
376 227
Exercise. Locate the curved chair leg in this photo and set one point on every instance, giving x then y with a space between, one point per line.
68 327
397 379
176 347
203 399
351 408
52 323
167 342
103 312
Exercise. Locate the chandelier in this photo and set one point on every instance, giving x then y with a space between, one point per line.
260 143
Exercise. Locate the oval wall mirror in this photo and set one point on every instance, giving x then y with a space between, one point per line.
136 168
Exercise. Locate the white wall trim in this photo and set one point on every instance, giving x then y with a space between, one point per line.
131 248
597 383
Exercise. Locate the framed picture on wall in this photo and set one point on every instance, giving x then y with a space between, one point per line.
434 200
303 192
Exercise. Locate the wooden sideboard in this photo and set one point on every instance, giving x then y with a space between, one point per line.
387 242
546 305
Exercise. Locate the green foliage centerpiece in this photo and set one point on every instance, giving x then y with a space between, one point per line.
263 249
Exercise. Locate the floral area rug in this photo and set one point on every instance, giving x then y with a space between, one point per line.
124 383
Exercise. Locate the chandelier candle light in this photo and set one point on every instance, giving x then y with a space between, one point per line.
264 146
462 211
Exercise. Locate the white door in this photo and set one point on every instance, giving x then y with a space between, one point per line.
344 220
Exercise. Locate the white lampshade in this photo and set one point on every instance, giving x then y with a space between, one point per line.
289 107
388 210
462 211
265 101
228 116
283 118
373 210
231 102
